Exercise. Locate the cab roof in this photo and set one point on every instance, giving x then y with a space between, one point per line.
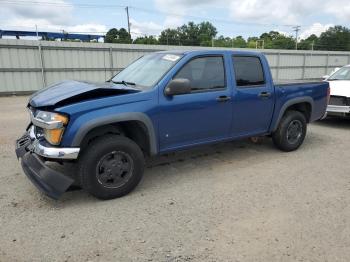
209 51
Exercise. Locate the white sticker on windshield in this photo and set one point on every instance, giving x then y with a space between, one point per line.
171 58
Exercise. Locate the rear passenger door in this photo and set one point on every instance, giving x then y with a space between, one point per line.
253 98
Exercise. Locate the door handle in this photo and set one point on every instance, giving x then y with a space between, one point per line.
264 94
223 98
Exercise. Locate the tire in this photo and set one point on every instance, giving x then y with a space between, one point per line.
111 166
291 131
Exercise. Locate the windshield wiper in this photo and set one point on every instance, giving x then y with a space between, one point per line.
124 83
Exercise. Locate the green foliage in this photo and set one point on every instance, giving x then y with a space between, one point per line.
336 38
276 40
309 43
189 34
146 40
169 37
118 36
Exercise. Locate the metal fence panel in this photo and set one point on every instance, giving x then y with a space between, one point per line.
31 65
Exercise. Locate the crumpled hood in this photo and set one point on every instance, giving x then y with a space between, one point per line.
75 91
340 87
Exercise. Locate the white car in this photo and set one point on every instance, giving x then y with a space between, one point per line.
339 82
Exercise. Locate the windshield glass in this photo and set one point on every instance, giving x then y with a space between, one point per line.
341 74
145 72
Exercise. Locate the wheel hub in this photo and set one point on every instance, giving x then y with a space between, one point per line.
294 131
114 169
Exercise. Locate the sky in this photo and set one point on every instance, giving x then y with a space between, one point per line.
149 17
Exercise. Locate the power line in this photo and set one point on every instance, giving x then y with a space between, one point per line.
110 6
58 4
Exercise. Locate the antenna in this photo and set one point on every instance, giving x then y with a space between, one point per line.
296 29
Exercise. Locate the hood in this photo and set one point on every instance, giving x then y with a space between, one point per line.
340 87
68 92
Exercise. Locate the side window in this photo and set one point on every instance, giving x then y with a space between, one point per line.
248 71
204 73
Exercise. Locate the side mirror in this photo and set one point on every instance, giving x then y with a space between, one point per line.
325 77
178 86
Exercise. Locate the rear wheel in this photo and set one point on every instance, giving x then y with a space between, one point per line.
291 131
111 167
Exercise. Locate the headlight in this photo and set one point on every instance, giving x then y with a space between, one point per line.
53 125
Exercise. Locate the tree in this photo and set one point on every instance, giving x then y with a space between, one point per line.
276 40
336 38
118 36
146 40
239 42
169 37
206 32
222 41
308 43
189 34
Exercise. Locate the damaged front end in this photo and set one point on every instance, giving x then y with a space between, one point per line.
44 139
33 154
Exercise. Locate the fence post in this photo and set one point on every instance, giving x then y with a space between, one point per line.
41 57
111 61
278 65
327 64
304 66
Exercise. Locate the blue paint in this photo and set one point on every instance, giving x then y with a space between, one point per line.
192 119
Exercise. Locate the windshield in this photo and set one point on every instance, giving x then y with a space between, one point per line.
341 74
145 72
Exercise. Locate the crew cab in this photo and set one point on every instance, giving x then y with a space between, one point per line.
339 82
162 102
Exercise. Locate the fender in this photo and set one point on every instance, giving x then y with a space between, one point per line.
132 116
289 103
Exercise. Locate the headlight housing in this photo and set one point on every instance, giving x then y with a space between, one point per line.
52 124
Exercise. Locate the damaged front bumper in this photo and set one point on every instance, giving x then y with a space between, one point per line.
33 153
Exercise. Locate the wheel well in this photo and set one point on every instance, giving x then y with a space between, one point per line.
304 108
135 130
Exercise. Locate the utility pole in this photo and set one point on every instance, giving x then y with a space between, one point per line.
127 15
296 29
312 45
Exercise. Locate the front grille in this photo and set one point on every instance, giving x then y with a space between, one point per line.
339 101
24 140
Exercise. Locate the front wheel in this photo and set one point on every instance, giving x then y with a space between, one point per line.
111 166
291 131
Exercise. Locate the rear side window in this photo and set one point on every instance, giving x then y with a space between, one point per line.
204 73
248 71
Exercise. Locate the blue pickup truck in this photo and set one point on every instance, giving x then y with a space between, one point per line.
162 102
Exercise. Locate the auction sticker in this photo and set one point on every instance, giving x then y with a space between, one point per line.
171 58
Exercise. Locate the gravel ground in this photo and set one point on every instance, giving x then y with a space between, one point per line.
235 201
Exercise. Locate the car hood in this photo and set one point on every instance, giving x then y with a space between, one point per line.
68 92
340 87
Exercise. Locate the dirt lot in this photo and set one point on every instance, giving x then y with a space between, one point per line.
230 202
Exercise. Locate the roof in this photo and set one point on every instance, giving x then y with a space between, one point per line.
209 51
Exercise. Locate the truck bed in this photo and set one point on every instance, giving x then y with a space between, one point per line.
293 90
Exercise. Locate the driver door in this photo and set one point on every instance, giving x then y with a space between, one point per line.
204 114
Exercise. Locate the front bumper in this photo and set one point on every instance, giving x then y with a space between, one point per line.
46 179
